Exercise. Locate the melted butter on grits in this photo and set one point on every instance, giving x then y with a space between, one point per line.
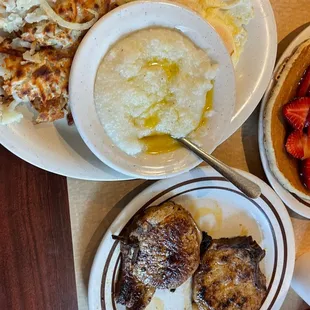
171 69
153 84
159 144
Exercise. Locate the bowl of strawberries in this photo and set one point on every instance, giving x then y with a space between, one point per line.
287 123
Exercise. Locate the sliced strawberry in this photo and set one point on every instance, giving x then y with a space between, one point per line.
305 172
296 112
298 144
294 144
304 85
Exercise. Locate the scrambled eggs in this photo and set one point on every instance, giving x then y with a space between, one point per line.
228 17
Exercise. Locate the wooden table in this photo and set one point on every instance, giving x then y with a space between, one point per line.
36 257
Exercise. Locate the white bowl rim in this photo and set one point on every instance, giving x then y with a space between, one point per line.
80 123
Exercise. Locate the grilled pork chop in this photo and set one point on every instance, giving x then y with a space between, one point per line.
229 276
162 251
131 292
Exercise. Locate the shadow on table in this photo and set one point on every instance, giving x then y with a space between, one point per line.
249 132
289 38
296 215
92 246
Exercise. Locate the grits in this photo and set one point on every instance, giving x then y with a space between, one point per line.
150 83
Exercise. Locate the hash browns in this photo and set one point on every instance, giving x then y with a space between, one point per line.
36 70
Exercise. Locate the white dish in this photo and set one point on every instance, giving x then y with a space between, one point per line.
301 277
110 28
295 203
59 148
265 218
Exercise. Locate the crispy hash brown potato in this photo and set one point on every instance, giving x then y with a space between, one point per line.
47 33
43 83
37 52
229 276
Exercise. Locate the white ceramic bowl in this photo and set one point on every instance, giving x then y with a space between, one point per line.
110 28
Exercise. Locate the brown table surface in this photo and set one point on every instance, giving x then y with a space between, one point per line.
36 258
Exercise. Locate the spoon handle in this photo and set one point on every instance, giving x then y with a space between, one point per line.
248 187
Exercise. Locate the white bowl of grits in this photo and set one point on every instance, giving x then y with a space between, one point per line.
145 72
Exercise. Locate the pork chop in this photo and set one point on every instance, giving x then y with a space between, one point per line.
229 276
162 251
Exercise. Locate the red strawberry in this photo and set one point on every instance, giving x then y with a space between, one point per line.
296 112
305 172
304 85
298 144
294 145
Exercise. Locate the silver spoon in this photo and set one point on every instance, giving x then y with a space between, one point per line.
248 187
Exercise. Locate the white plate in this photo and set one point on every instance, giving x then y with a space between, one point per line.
265 219
295 203
60 149
110 28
